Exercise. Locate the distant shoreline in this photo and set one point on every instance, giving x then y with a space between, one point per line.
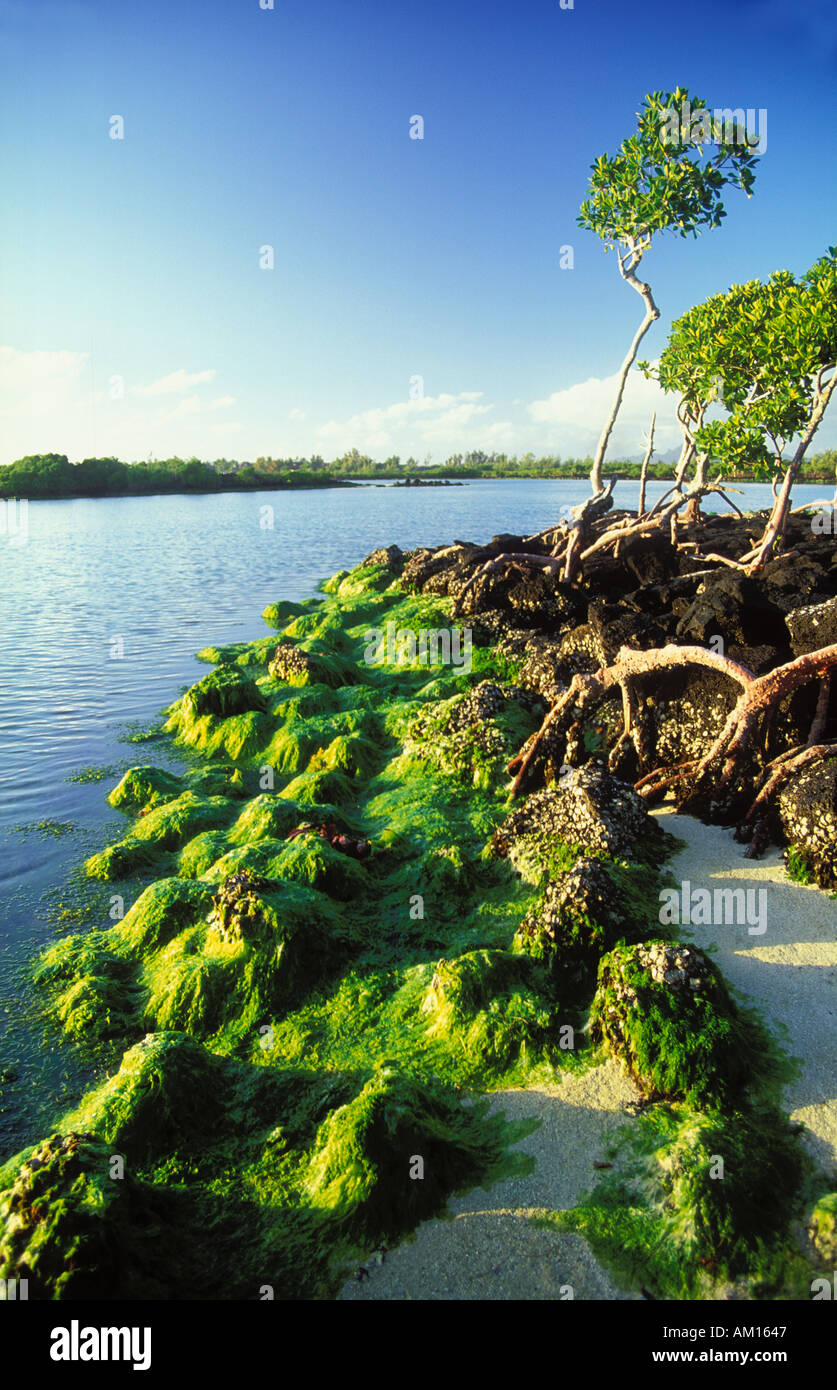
316 484
53 476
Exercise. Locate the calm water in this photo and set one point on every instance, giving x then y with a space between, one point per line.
167 576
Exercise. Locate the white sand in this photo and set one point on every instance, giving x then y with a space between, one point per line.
489 1250
790 972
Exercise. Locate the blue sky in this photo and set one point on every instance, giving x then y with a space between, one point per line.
135 318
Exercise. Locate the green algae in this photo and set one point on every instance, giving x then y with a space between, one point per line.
93 774
235 1176
162 829
395 1153
64 1223
822 1225
320 1021
47 829
278 614
665 1011
145 786
495 1005
697 1198
799 867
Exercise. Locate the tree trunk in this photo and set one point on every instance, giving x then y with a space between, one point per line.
644 474
775 528
652 313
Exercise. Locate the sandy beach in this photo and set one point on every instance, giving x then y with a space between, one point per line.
488 1250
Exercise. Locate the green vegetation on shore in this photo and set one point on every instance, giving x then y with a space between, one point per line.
52 475
333 941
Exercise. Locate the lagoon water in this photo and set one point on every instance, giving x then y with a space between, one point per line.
159 578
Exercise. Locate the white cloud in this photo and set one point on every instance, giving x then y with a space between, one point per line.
190 405
296 414
39 378
175 384
228 427
447 421
222 403
576 414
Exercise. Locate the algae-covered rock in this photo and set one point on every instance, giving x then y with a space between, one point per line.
163 828
587 808
822 1226
145 786
352 754
63 1219
267 816
225 712
471 737
279 614
224 692
720 1186
167 1095
665 1011
258 953
581 915
165 965
93 977
319 786
91 985
489 1002
198 856
310 859
365 579
395 1153
162 911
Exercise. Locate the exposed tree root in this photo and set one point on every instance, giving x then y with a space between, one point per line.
759 697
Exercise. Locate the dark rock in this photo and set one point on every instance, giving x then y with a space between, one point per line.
735 608
580 916
587 808
621 625
790 580
391 555
807 807
813 627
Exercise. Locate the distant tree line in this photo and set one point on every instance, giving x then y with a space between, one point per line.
52 475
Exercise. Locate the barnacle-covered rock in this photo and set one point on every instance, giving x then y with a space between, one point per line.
237 909
807 806
664 1010
587 808
581 914
391 555
292 665
471 737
